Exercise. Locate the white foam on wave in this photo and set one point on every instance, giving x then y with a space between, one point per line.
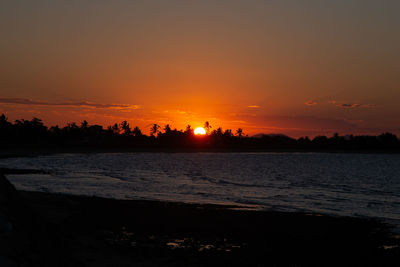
342 184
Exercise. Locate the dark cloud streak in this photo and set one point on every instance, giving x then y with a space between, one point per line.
25 101
352 105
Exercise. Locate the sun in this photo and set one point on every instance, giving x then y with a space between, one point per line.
199 131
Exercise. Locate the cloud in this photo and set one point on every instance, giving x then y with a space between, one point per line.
253 106
310 103
25 101
352 105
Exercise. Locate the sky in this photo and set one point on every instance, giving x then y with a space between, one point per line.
293 67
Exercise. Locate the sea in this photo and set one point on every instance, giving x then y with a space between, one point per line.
361 185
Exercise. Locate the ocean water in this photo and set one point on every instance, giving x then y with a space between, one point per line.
366 185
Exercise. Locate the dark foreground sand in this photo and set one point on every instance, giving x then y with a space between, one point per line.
40 229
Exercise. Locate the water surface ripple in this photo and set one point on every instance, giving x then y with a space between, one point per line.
341 184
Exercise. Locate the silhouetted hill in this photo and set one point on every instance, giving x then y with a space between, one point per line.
261 135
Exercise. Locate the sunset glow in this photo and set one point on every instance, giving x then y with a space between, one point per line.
199 131
177 63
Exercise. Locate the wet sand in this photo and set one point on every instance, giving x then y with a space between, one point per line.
42 229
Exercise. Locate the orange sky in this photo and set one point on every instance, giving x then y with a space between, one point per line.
267 66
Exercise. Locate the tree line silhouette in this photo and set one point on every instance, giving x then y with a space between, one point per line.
33 133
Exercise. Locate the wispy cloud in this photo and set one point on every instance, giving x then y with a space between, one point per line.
253 106
352 105
310 103
25 101
176 111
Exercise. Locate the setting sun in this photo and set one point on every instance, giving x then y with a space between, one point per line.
199 131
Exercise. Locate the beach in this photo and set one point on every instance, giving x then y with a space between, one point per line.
199 133
43 229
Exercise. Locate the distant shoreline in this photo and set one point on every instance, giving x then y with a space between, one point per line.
28 135
29 152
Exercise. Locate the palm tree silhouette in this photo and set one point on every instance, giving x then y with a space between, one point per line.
125 126
84 124
115 128
188 128
167 129
228 133
207 126
154 129
239 132
137 132
4 123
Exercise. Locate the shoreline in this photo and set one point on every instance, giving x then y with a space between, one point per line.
68 230
33 152
394 223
